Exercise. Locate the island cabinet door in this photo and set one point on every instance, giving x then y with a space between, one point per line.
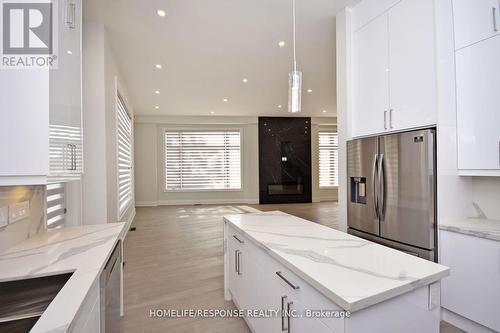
235 255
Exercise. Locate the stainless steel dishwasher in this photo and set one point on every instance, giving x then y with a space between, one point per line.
110 292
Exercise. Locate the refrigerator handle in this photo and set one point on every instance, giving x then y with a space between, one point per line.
381 187
374 183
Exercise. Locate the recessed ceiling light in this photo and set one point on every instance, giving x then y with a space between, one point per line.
212 112
281 43
280 106
158 66
245 80
157 92
157 107
324 111
309 90
69 52
225 100
161 13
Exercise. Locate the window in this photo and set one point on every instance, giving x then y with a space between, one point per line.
56 205
328 159
124 157
202 160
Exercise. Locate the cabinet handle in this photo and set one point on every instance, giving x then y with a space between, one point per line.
239 240
385 119
236 261
390 118
498 152
74 157
70 14
283 299
239 263
494 13
287 282
289 316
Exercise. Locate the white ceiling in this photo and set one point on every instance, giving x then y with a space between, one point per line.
207 47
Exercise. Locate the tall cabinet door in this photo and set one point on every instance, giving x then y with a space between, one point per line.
475 20
371 77
412 54
478 105
65 130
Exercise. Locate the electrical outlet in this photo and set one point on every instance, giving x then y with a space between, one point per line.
19 211
4 216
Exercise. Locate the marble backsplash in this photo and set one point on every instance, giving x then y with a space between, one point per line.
23 229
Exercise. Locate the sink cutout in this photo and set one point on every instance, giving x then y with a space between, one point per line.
24 301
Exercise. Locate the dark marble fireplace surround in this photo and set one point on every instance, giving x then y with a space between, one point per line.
284 160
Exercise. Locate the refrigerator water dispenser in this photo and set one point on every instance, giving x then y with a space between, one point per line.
358 190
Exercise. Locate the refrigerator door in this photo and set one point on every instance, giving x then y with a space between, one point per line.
362 189
407 188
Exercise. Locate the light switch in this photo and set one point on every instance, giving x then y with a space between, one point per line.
19 211
4 216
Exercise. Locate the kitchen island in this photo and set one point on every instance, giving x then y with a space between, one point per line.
305 277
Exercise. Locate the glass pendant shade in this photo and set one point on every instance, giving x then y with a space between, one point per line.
294 91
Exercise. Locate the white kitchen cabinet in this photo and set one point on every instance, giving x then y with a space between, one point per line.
475 20
371 77
412 54
41 127
394 70
65 119
473 288
478 112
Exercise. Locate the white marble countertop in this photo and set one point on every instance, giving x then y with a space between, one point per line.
352 272
489 229
82 250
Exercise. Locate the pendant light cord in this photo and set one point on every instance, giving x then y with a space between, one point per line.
294 54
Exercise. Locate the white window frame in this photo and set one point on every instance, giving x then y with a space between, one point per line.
121 211
204 129
319 159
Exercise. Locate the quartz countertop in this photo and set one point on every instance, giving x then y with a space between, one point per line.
83 250
489 229
352 272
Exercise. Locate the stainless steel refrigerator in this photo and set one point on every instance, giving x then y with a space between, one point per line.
392 191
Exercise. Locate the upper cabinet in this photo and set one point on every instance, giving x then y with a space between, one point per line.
65 119
478 108
371 77
475 20
41 126
394 69
477 44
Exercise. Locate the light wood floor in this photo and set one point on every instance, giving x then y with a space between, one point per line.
174 260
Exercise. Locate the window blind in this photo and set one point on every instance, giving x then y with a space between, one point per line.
56 205
328 159
124 157
202 160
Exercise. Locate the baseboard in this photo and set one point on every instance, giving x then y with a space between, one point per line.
207 202
463 323
128 223
323 199
146 203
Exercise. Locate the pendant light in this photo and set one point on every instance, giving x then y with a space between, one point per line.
295 77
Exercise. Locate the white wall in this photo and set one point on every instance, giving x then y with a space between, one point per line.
101 80
149 162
